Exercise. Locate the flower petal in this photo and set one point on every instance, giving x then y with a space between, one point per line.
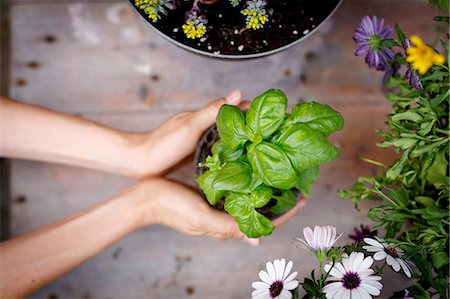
291 285
291 277
373 242
265 277
370 289
285 294
380 255
405 268
271 271
287 270
309 236
260 285
332 288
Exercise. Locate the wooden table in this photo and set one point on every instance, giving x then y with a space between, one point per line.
99 60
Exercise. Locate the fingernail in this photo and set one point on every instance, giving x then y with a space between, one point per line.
233 97
251 242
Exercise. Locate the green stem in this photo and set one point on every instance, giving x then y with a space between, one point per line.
320 271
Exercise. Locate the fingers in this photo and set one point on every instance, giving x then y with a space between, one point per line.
291 213
206 116
244 105
223 226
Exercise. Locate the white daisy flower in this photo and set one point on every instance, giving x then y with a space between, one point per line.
275 284
384 251
322 238
352 278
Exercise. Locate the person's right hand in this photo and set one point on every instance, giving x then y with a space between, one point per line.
162 201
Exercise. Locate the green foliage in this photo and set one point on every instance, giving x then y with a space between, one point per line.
313 287
413 191
442 5
266 155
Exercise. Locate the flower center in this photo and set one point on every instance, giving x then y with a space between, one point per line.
392 252
375 42
276 288
351 280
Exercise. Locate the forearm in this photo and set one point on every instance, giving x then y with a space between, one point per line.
35 259
30 132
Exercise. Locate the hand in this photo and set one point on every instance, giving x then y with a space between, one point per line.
162 201
178 137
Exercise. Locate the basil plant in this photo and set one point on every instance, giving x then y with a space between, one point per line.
265 155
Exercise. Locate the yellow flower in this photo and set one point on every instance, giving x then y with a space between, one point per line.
194 31
422 56
149 7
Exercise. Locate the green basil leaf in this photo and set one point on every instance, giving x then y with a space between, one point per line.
254 182
261 196
238 205
285 202
317 116
234 176
256 225
205 183
231 126
213 162
307 178
265 115
225 153
305 146
251 223
272 165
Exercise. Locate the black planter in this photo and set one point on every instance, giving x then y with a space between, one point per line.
204 150
290 22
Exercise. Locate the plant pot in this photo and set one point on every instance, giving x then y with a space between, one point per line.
289 22
205 144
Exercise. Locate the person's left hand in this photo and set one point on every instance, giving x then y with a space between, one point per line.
177 138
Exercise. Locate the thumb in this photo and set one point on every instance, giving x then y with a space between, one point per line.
206 116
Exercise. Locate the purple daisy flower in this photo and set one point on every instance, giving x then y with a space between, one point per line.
370 36
411 74
362 232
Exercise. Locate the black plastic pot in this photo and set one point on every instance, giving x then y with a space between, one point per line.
290 22
204 150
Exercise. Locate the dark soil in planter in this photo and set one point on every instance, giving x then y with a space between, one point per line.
226 36
204 150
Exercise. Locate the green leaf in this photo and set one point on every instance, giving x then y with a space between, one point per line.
400 34
317 116
255 225
225 153
272 165
408 115
261 196
251 222
305 146
438 169
265 115
445 45
405 143
205 183
439 259
285 202
394 172
425 200
234 176
307 178
231 126
213 162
